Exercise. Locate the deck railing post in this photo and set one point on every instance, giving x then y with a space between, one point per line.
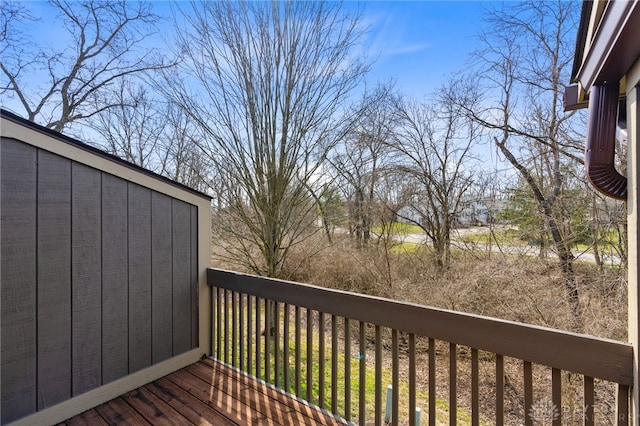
622 406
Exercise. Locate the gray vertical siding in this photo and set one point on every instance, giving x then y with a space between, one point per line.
54 263
194 277
86 278
18 301
115 279
139 277
181 276
99 278
162 276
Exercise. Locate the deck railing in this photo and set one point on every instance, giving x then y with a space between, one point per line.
341 350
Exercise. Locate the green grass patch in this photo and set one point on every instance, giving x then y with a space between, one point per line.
406 247
398 228
507 237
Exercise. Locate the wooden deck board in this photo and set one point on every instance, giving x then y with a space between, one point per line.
188 405
117 411
205 393
257 389
155 410
88 418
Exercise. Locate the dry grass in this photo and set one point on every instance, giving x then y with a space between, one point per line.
522 289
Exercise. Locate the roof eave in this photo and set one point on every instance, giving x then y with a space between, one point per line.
8 115
614 48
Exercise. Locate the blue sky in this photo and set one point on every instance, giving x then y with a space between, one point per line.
417 43
421 43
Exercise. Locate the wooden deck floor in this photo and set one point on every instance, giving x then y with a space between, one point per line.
205 393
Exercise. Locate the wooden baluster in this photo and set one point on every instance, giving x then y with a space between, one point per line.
395 378
556 395
334 364
453 384
226 326
298 345
250 299
241 328
276 344
499 390
234 328
321 349
475 388
309 355
528 392
285 343
432 382
589 400
412 379
378 377
214 325
218 326
362 400
258 337
347 369
268 317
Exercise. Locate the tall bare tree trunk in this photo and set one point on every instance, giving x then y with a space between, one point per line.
523 66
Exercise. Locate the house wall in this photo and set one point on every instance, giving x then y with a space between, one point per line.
101 269
610 52
633 220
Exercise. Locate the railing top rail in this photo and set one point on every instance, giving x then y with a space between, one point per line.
594 357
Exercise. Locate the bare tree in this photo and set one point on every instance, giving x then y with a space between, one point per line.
608 230
433 149
328 201
150 132
525 61
75 81
488 190
182 158
133 128
13 39
267 83
360 160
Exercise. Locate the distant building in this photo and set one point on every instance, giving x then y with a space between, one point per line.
473 212
478 211
409 215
